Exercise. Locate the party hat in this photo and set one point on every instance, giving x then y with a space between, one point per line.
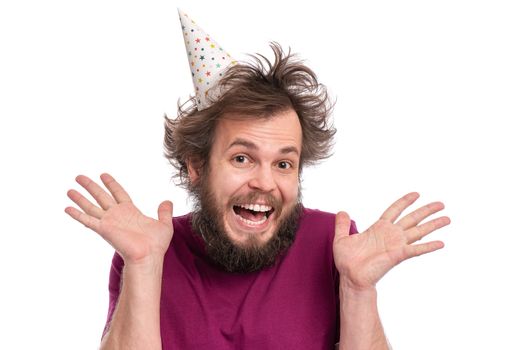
207 60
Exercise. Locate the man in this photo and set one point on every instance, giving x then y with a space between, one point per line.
250 267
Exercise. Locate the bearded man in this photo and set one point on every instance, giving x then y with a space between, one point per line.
249 267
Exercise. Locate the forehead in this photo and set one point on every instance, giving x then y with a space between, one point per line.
282 129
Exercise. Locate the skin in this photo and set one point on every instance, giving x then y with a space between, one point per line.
268 165
363 259
142 242
260 156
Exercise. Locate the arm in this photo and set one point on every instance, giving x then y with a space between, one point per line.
363 259
136 320
141 242
360 326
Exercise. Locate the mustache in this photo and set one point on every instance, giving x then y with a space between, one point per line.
256 196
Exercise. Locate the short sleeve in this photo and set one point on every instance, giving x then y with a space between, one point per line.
115 277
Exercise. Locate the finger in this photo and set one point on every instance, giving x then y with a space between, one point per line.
416 233
342 225
115 188
393 212
423 248
101 196
414 218
84 204
83 218
165 212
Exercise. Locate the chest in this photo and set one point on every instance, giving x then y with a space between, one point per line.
292 305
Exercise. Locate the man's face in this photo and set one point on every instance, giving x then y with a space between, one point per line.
252 183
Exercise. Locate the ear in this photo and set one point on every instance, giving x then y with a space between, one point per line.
193 171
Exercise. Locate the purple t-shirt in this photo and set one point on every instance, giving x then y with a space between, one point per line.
291 305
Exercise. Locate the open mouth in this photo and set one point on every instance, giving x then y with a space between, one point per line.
253 214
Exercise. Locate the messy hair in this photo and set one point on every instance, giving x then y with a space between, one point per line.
258 89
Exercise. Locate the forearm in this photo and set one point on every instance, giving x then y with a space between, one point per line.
136 320
360 326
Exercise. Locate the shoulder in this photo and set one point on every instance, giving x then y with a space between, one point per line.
316 214
185 240
318 220
316 228
183 227
182 222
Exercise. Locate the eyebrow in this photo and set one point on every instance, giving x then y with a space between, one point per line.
250 145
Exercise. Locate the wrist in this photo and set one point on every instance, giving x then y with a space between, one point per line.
359 296
349 285
142 282
149 266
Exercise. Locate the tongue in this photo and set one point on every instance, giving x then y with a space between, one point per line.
251 215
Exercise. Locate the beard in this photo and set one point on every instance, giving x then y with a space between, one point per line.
252 256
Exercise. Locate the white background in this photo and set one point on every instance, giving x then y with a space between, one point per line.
429 99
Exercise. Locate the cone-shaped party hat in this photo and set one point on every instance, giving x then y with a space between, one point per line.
207 59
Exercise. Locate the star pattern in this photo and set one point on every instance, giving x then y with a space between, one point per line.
203 53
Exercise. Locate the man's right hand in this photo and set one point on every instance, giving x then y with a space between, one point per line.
138 239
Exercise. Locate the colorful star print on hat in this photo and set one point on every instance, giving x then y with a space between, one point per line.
207 60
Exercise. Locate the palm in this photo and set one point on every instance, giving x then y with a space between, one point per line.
134 235
364 258
128 229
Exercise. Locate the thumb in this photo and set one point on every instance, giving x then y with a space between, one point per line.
342 224
165 212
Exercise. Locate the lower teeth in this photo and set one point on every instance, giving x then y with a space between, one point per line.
252 223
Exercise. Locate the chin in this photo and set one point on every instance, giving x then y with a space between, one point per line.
243 238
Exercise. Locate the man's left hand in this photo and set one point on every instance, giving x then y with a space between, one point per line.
363 259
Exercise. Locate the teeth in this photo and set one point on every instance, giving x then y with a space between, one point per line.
253 223
256 207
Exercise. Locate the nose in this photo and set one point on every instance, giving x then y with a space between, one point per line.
262 179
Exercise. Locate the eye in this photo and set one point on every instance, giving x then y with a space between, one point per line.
284 165
240 160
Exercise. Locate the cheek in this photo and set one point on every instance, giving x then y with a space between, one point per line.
289 189
225 184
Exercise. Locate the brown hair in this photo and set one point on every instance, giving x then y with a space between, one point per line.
253 90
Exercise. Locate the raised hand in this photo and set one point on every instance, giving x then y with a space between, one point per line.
363 259
135 236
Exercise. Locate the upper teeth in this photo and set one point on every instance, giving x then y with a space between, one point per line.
256 207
